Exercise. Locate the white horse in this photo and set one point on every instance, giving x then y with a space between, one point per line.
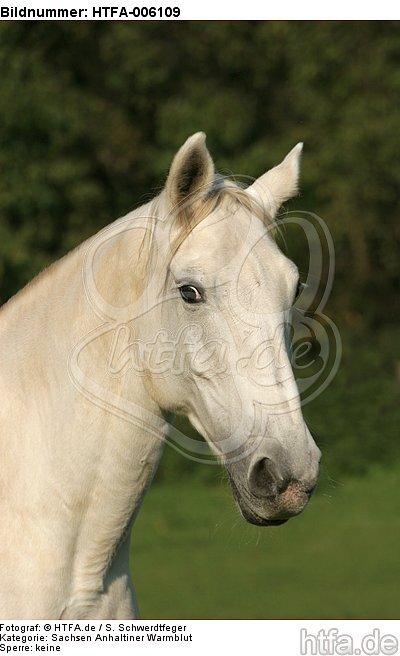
82 424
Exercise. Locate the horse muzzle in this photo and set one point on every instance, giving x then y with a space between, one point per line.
269 496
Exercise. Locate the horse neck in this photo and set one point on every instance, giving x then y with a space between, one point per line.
76 466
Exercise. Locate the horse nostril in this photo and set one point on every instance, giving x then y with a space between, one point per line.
263 479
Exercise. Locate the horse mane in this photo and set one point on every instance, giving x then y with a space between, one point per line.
223 193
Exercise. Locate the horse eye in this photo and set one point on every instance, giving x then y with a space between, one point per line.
190 294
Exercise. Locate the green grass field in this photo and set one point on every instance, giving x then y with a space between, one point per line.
194 557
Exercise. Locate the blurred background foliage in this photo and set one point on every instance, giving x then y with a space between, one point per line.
92 113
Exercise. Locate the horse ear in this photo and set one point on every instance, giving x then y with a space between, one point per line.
191 170
280 183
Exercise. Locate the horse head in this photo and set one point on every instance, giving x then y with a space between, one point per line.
227 292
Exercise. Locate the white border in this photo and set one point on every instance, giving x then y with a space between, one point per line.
309 10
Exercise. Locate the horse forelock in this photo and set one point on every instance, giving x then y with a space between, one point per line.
224 194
